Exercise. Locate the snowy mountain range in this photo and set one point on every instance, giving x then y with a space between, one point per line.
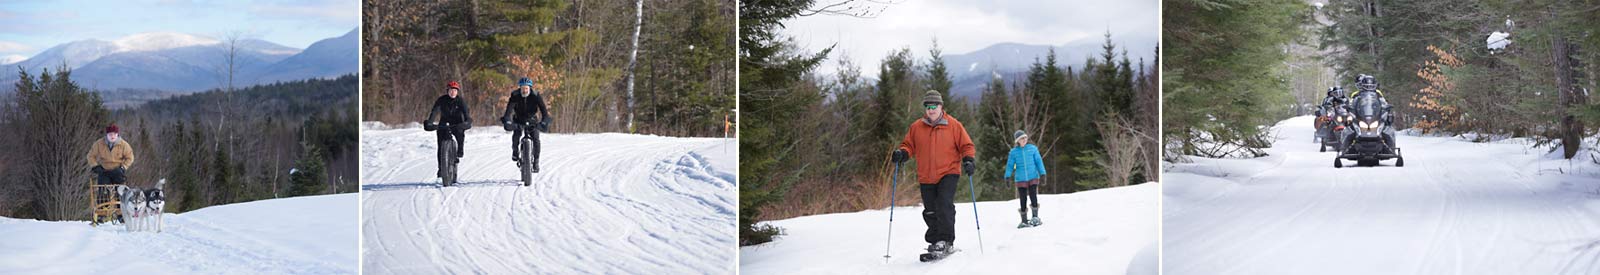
970 72
184 62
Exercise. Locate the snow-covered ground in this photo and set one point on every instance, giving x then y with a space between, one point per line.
1457 207
1105 231
603 203
302 235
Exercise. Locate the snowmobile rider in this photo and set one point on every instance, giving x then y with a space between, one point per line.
1369 84
1025 167
942 148
452 111
110 158
1334 98
1366 83
520 110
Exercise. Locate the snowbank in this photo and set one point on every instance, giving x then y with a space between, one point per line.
603 203
302 235
1456 207
1092 232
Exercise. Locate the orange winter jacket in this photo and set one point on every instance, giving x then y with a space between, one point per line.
938 147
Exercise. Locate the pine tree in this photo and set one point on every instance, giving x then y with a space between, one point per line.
223 177
993 138
48 114
938 74
1228 84
308 177
769 70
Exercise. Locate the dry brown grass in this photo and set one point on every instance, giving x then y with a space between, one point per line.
850 194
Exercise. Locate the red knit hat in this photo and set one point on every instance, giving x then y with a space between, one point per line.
112 129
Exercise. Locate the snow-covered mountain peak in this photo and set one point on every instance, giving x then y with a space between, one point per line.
152 41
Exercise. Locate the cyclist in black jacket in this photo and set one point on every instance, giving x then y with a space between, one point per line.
520 110
452 112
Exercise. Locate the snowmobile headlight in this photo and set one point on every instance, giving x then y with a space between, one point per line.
1367 126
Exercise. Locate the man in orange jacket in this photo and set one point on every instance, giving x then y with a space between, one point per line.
941 146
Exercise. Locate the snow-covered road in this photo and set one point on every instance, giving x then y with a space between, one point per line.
1105 231
302 235
603 203
1457 207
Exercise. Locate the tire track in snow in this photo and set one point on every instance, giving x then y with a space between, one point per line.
604 203
1459 208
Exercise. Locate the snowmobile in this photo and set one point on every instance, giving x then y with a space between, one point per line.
530 147
447 155
1373 138
1332 126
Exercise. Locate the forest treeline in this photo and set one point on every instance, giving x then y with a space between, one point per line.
577 52
214 147
1433 60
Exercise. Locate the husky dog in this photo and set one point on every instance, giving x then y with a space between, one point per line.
131 204
155 202
141 208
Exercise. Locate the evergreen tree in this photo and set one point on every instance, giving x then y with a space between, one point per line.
222 173
938 74
993 138
770 67
308 177
1228 84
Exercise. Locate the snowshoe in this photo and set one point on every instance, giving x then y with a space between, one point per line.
937 254
1025 224
1036 222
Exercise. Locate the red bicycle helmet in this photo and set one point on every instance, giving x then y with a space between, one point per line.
454 85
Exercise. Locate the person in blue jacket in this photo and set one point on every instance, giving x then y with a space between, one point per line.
1024 166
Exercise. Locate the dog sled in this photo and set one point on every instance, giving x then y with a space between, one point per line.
137 209
103 203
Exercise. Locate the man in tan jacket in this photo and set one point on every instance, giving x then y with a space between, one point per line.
110 158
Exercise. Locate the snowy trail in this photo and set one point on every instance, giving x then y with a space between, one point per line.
1456 208
602 203
1106 231
303 235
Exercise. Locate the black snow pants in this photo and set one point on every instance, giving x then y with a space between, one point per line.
939 211
516 142
459 133
113 176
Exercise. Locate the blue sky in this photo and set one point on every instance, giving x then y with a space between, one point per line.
28 27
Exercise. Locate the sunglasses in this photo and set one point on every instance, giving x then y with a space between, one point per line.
931 106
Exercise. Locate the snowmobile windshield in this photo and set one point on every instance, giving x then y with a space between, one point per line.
1366 106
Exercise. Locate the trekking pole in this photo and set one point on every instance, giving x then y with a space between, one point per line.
974 195
892 187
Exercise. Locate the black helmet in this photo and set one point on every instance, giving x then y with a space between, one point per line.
1366 82
1333 91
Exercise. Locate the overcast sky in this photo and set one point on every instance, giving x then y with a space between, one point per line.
964 26
28 27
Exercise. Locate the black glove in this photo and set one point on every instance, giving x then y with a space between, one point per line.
463 126
544 126
900 156
967 167
121 170
428 126
97 169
